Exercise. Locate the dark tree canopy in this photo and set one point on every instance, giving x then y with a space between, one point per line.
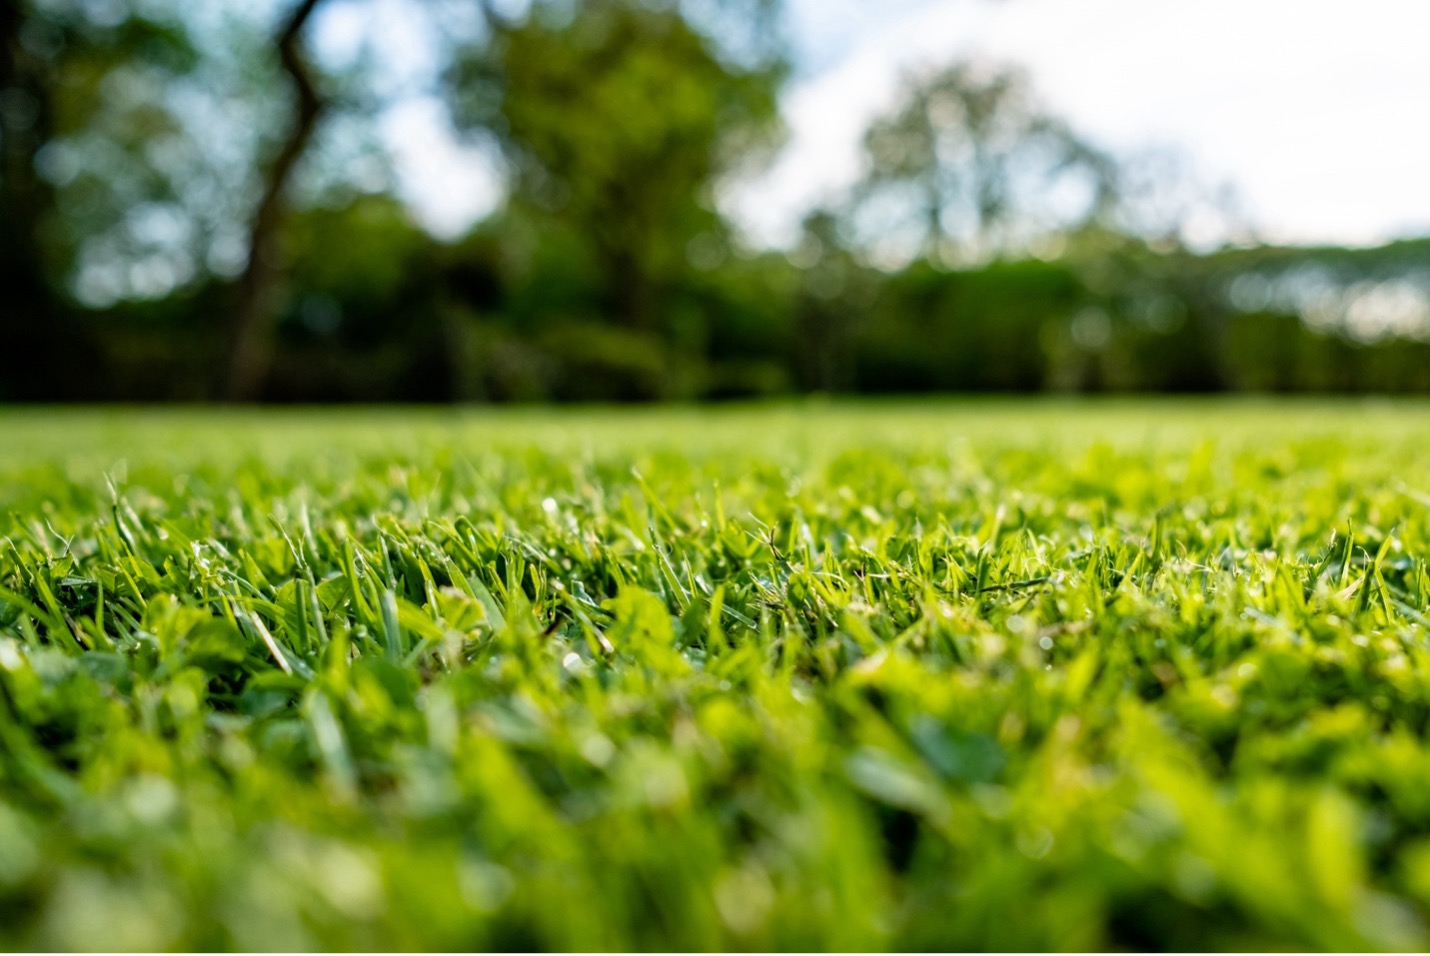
619 120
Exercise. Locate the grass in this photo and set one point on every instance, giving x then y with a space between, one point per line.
950 676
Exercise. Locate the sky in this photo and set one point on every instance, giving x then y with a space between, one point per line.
1313 111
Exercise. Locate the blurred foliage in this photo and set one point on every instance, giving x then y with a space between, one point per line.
82 133
971 162
619 119
988 247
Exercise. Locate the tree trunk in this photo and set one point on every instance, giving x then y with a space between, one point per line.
633 293
253 315
30 311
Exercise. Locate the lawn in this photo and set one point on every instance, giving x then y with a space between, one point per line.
954 675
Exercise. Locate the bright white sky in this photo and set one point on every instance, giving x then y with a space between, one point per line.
1316 111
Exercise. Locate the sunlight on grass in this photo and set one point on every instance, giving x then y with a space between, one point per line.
953 675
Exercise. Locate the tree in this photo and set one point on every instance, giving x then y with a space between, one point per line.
969 164
255 308
833 296
128 137
618 118
67 68
26 118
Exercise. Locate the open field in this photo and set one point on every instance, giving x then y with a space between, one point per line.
948 675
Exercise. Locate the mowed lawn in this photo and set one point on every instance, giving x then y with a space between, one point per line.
941 675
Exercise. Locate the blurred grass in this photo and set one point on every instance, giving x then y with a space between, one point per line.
948 675
181 435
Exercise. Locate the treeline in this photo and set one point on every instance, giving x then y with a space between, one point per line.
398 317
195 207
